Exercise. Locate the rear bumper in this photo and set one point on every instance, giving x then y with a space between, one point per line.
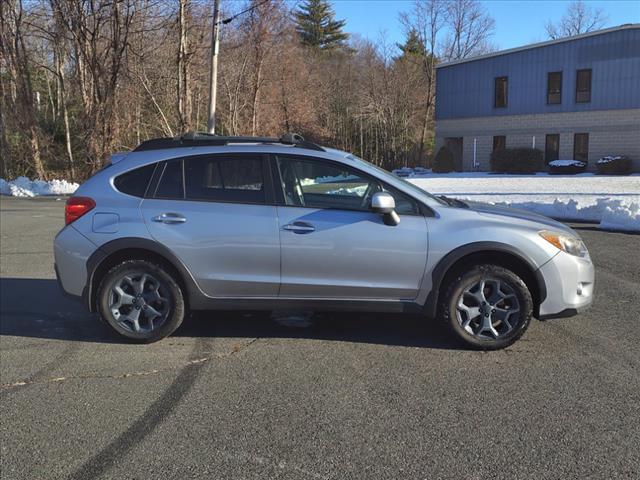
570 283
62 290
71 251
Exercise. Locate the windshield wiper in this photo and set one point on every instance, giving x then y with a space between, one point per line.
453 202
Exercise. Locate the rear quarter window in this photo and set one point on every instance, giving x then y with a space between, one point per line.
135 182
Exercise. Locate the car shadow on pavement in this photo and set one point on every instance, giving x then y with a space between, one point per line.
36 308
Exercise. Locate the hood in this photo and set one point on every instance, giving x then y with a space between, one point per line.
486 208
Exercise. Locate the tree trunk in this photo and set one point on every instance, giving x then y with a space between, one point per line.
62 99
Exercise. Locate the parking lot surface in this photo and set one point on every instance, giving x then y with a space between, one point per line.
242 396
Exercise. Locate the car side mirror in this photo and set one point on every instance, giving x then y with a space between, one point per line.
385 204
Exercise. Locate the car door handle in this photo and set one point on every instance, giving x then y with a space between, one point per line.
169 218
299 227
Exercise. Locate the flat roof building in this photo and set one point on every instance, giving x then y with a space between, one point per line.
573 98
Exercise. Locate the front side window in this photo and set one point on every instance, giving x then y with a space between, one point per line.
318 184
501 92
583 86
581 146
230 179
554 88
552 147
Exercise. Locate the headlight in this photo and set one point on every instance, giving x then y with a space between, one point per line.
566 243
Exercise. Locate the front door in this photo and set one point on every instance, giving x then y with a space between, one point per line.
212 212
333 246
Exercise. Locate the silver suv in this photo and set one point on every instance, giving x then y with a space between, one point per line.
203 222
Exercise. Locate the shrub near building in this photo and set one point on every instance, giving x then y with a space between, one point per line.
443 161
614 165
517 160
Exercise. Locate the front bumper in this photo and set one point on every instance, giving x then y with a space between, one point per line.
569 282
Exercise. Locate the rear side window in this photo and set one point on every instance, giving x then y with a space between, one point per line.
171 184
136 181
225 179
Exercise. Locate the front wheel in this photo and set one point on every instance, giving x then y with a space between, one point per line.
141 301
487 307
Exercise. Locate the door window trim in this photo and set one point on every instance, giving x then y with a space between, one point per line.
422 209
269 197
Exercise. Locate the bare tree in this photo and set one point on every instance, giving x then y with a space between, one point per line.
15 52
427 21
110 74
470 28
100 32
579 18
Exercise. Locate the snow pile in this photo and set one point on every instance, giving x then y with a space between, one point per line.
23 187
622 216
567 163
611 201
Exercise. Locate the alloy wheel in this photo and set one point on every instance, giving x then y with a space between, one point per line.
139 302
488 309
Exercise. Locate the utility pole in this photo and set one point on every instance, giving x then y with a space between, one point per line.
213 78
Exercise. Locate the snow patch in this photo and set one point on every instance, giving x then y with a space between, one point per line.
405 172
567 163
612 201
24 187
358 191
611 158
327 179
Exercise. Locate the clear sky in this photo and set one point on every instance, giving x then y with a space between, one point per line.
517 22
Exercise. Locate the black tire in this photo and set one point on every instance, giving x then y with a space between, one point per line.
498 278
169 301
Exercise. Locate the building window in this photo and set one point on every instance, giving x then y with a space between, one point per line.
499 142
583 86
554 88
581 146
552 147
500 100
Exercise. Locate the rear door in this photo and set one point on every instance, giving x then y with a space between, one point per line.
216 213
333 246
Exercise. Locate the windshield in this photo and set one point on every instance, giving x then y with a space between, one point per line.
410 185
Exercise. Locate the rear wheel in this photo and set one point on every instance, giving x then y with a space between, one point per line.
488 307
140 300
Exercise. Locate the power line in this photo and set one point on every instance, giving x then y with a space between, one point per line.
215 45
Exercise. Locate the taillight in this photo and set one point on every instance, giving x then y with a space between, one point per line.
77 207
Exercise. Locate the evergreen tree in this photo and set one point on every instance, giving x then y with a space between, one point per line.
412 46
317 26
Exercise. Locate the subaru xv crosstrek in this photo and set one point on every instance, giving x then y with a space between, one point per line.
205 222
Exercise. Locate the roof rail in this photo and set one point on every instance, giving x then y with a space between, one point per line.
201 139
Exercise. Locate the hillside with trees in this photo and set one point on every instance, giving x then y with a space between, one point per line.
81 79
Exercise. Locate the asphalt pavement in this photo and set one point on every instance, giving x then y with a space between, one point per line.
242 396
